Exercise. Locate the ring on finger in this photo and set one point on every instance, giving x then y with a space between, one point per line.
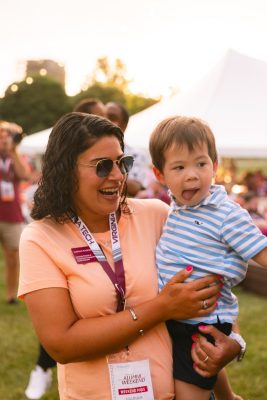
206 359
205 304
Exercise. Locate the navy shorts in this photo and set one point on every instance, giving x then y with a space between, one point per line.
181 334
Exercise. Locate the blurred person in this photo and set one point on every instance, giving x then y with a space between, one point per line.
255 182
251 204
28 193
41 376
260 183
13 170
91 105
86 294
204 229
138 176
154 190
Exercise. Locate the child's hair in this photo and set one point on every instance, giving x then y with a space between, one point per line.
180 130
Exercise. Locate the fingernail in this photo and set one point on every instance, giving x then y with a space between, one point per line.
202 327
220 276
193 345
189 268
216 304
221 284
194 365
194 336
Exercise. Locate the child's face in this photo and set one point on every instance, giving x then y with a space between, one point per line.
187 174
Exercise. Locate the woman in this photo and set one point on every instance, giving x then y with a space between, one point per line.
97 317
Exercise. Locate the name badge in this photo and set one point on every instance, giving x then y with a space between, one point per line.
131 380
7 191
83 255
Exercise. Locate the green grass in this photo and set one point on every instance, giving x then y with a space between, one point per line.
18 349
248 378
19 346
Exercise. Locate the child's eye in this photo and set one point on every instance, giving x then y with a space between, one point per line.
179 167
202 164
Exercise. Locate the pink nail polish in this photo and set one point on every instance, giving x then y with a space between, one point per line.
194 365
189 268
194 336
193 345
202 327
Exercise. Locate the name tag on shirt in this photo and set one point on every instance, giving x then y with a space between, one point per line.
83 255
131 380
7 191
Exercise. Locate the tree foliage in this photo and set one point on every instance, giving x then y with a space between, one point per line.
102 92
109 83
136 103
36 106
109 75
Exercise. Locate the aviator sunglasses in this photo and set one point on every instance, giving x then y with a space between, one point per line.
104 166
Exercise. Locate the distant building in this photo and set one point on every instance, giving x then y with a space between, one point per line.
46 68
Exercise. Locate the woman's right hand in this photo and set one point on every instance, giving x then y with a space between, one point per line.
186 300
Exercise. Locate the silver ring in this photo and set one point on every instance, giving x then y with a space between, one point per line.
206 359
205 305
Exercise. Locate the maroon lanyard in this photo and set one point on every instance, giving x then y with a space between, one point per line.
117 277
118 280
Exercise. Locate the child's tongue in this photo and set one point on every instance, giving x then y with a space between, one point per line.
188 194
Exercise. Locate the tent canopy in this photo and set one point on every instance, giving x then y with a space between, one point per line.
36 143
232 99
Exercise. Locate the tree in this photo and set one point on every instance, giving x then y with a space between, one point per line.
102 92
35 106
112 76
108 83
136 103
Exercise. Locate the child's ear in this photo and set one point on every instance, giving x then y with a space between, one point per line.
159 175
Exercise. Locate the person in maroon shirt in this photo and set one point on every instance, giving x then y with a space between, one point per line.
12 170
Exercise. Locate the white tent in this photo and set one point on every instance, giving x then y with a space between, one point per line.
36 143
232 99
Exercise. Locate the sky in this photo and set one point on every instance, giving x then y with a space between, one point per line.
164 44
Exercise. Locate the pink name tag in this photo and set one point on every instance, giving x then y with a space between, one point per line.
83 255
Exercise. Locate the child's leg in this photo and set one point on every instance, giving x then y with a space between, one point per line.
187 391
222 388
189 385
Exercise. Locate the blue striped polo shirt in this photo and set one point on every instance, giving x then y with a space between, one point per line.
216 236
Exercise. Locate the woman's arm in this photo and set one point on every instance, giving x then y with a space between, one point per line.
70 339
223 351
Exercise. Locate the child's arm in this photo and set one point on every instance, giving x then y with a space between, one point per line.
261 257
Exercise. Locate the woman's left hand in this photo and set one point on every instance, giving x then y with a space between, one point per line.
210 358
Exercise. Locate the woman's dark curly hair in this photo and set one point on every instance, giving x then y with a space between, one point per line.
74 133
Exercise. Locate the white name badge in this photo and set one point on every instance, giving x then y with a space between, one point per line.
7 191
131 380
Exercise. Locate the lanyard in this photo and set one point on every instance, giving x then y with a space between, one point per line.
117 277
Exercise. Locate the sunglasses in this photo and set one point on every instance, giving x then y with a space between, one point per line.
105 166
